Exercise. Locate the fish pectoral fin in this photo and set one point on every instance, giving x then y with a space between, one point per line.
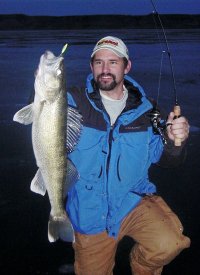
60 228
74 126
37 184
25 115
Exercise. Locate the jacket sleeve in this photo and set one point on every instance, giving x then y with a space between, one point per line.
172 155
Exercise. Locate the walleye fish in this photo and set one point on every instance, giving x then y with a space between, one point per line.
55 131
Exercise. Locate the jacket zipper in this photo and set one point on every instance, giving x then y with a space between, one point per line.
110 140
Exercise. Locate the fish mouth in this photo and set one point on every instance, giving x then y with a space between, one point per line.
49 55
55 70
52 61
49 77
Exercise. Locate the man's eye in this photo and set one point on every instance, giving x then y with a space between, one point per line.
97 62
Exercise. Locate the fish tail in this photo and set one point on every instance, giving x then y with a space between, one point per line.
60 228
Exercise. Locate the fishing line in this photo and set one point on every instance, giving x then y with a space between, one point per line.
155 12
161 60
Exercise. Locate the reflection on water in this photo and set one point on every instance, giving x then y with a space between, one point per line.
81 37
20 52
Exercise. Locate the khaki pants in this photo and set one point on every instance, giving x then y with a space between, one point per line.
156 230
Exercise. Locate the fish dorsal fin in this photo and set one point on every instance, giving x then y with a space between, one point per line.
74 126
71 178
25 115
37 184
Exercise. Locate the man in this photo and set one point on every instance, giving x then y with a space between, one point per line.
114 196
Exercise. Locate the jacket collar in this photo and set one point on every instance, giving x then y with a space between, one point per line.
135 93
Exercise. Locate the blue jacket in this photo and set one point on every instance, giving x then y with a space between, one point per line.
113 162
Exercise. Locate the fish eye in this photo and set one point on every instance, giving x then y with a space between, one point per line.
58 72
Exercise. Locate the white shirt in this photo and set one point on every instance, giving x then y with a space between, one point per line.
114 107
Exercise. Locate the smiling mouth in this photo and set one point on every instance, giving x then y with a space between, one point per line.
106 77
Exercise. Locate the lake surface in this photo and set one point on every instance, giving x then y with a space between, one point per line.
20 52
24 215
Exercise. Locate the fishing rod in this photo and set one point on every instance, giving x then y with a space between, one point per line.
155 117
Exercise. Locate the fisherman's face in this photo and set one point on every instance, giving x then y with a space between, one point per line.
108 70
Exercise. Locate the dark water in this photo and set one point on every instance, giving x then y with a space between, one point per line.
23 215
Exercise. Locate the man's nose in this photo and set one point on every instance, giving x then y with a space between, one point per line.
105 68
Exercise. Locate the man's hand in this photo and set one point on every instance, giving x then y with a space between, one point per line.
177 128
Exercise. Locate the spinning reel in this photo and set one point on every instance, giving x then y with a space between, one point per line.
158 126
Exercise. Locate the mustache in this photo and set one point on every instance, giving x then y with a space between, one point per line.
103 75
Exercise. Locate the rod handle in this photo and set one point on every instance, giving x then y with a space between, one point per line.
177 113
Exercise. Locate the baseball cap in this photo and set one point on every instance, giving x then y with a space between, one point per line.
112 43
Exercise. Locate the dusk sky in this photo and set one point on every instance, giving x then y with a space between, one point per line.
81 7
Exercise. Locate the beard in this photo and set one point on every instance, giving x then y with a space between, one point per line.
103 85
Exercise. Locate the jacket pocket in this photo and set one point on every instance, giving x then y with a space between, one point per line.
85 207
88 156
133 159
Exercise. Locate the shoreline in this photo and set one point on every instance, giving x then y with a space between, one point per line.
26 22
